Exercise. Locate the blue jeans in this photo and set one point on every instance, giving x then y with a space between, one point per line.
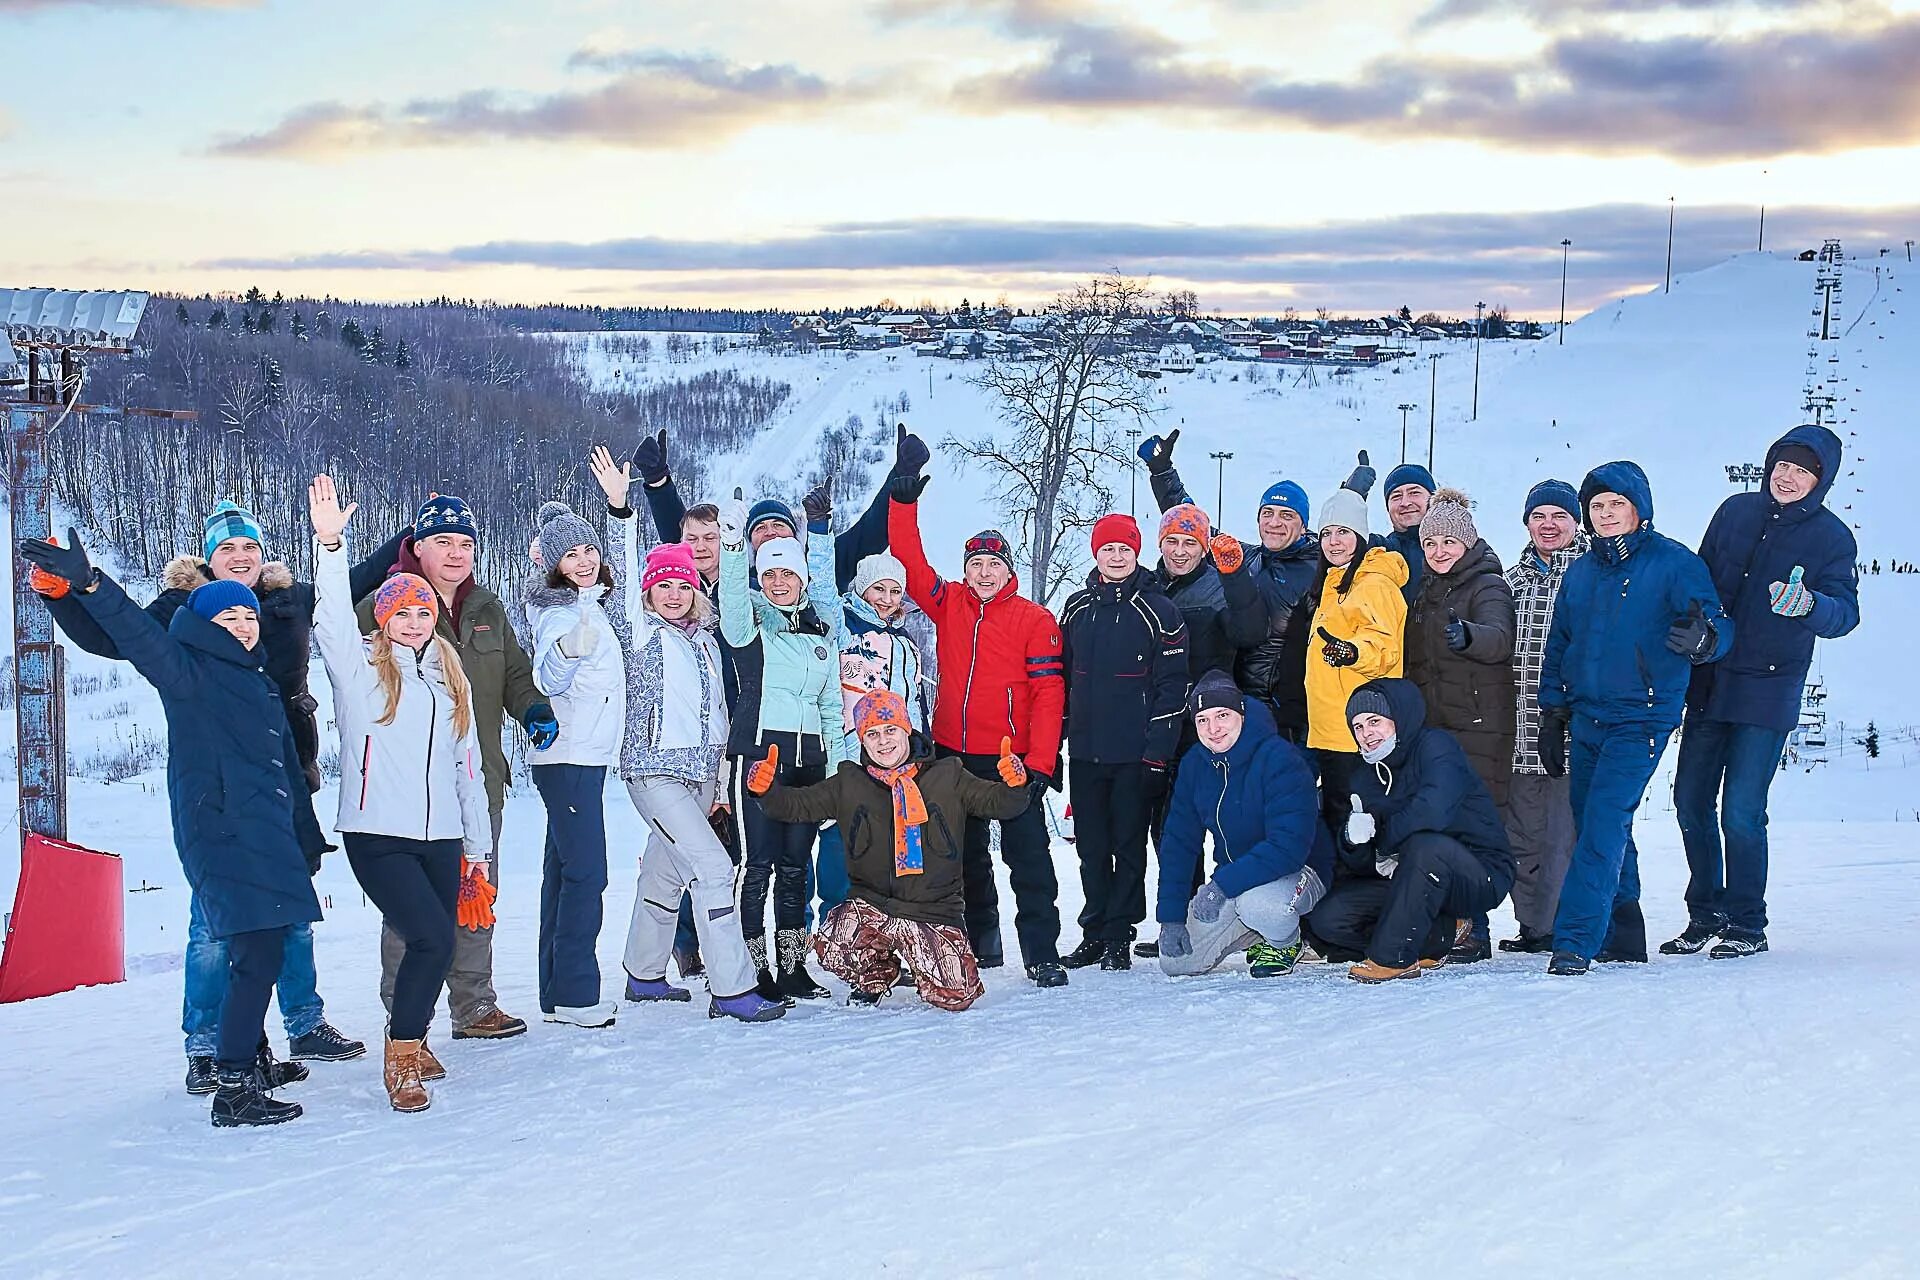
207 966
1720 787
830 870
1610 767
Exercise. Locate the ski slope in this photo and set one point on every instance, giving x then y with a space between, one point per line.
1682 1118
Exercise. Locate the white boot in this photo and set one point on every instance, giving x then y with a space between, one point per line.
591 1016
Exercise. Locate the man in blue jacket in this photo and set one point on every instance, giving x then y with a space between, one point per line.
1253 792
1635 615
1784 565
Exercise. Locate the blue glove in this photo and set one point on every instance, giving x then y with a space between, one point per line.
1206 904
1157 451
1456 633
1174 941
542 726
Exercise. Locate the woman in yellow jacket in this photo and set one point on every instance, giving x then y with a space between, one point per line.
1357 631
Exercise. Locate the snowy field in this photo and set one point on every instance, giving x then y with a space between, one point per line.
1683 1118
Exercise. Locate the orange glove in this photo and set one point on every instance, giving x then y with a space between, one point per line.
1012 772
760 777
474 907
46 584
1228 554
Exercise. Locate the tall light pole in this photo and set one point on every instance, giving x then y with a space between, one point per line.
1669 284
1433 399
1404 410
1479 327
1564 246
1133 471
1761 247
1220 484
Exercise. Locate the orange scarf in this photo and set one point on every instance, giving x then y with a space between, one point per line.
909 815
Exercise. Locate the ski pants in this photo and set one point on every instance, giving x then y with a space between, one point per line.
1539 822
1027 848
686 939
866 947
253 962
208 965
573 879
1269 912
1609 767
469 977
684 859
416 884
1110 815
1720 788
777 852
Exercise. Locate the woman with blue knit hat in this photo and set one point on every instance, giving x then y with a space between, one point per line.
243 820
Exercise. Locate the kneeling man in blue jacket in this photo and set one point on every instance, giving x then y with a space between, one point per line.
1252 792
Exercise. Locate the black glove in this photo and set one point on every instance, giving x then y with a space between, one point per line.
818 502
1360 480
1153 781
650 458
1692 636
906 489
1553 741
69 562
1456 633
1337 652
1157 452
1037 784
910 452
721 820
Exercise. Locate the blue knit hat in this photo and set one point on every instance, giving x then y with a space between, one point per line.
770 509
444 514
229 520
1286 493
1409 473
1551 493
220 595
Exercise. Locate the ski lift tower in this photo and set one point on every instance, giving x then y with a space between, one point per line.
46 335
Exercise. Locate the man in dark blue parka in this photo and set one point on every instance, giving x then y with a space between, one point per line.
1784 566
1635 615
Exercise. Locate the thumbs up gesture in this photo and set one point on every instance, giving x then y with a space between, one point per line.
1360 824
1012 771
760 777
1791 599
1456 632
1228 554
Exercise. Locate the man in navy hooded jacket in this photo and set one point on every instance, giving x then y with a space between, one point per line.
1635 615
1784 565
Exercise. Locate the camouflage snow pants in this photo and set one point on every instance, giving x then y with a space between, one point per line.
864 946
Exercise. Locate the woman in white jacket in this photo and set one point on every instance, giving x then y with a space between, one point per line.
413 802
577 616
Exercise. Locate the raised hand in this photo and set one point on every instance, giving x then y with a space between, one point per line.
906 490
615 479
1157 451
1360 479
1791 599
650 458
910 452
1013 771
818 502
323 508
50 560
1228 554
733 518
1360 824
760 777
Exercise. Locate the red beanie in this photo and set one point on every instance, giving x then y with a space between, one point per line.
1116 528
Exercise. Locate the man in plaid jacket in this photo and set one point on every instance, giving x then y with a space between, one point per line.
1539 809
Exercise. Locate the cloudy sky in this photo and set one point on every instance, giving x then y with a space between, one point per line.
1265 153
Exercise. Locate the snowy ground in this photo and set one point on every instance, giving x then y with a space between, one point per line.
1686 1118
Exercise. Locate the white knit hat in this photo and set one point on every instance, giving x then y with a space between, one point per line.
1346 509
878 568
781 553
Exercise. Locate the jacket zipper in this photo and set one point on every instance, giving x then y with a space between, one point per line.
973 659
1219 822
366 757
433 718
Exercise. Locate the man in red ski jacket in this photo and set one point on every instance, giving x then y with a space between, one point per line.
1001 678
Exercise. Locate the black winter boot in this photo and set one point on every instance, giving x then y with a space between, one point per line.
1697 937
1528 943
794 982
764 984
1117 957
1738 944
202 1079
1048 973
1091 951
273 1073
1565 964
240 1101
325 1044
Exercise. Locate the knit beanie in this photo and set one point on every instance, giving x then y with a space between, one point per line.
402 591
229 520
770 509
779 553
1347 510
1116 528
882 706
444 514
1217 689
221 594
561 531
989 542
1285 493
1450 515
1368 701
1551 493
1800 456
1409 473
1186 518
878 568
669 562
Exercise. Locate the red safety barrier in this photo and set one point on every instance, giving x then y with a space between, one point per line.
69 921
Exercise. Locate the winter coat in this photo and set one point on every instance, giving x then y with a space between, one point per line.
243 820
497 668
1426 783
863 807
1407 543
1258 803
788 669
1372 615
1535 584
1001 674
1223 612
1125 652
588 691
873 654
676 703
1272 654
1607 655
413 777
1470 693
286 629
1752 543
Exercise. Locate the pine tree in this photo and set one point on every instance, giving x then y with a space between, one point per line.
180 312
217 318
266 321
1872 742
274 381
254 295
375 352
297 327
322 324
246 321
351 335
402 358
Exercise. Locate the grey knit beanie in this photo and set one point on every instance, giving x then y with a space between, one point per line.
561 531
1347 510
1450 515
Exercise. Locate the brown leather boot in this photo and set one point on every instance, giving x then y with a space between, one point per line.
492 1025
430 1068
404 1090
1368 971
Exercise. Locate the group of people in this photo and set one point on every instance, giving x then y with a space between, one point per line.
1379 738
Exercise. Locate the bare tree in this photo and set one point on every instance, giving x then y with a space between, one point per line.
1066 410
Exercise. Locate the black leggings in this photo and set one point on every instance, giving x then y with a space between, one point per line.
253 966
415 884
